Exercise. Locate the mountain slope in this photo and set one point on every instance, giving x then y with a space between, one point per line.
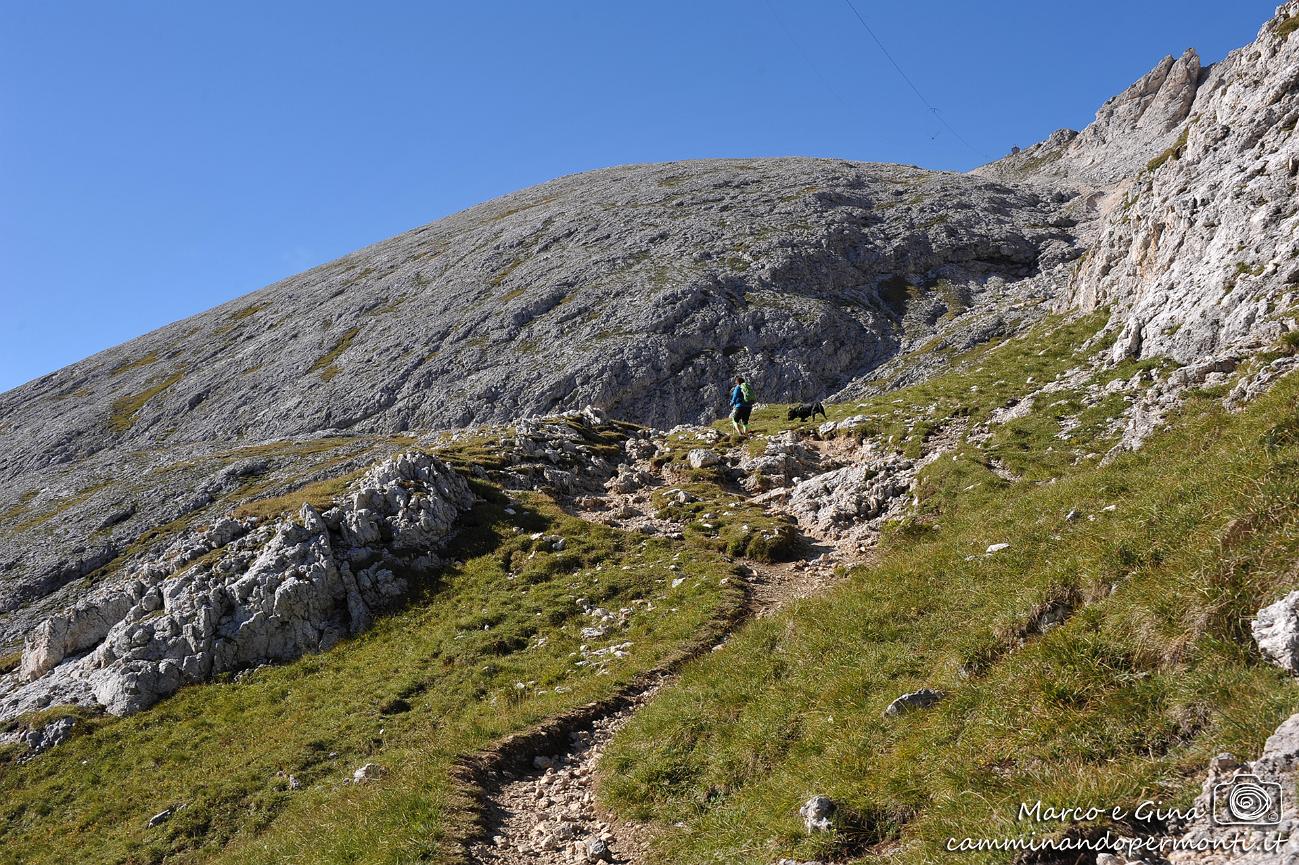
1021 557
638 289
641 289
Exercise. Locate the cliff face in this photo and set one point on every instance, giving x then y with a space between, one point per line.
1198 251
1190 175
1128 128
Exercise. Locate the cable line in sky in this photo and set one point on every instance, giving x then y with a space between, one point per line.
912 84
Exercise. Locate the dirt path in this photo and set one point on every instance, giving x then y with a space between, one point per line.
544 812
540 804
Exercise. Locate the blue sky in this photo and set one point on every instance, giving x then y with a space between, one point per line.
158 158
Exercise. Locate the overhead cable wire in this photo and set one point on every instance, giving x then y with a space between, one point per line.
912 84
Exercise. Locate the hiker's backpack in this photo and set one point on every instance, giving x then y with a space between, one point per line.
746 393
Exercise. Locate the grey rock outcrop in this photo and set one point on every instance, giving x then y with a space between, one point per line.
281 590
51 735
852 499
921 699
783 459
702 458
1251 386
1276 630
84 626
556 453
818 814
1199 252
1129 129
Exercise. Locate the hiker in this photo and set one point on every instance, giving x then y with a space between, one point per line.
741 405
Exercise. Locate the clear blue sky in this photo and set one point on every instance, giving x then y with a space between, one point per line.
158 158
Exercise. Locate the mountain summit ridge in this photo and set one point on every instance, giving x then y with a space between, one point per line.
639 289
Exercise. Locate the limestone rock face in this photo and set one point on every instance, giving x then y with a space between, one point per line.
1276 630
1190 176
269 593
640 289
1199 251
1129 129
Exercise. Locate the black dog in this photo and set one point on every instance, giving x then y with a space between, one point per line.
803 411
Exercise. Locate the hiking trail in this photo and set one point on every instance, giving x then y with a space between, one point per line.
538 791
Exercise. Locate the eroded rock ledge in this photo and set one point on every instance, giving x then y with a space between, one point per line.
242 593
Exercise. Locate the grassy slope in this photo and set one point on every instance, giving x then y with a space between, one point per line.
454 655
1126 700
1153 673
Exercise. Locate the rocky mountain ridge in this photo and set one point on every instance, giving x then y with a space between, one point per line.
1129 128
1189 181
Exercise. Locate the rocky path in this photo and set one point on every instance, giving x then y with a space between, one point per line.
546 814
772 586
541 809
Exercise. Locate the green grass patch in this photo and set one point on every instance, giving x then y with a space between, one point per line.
325 364
246 311
10 661
144 360
489 648
18 508
1288 26
726 521
42 718
124 409
320 495
1173 152
1039 446
488 448
396 302
1029 166
953 299
232 320
60 507
1152 672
